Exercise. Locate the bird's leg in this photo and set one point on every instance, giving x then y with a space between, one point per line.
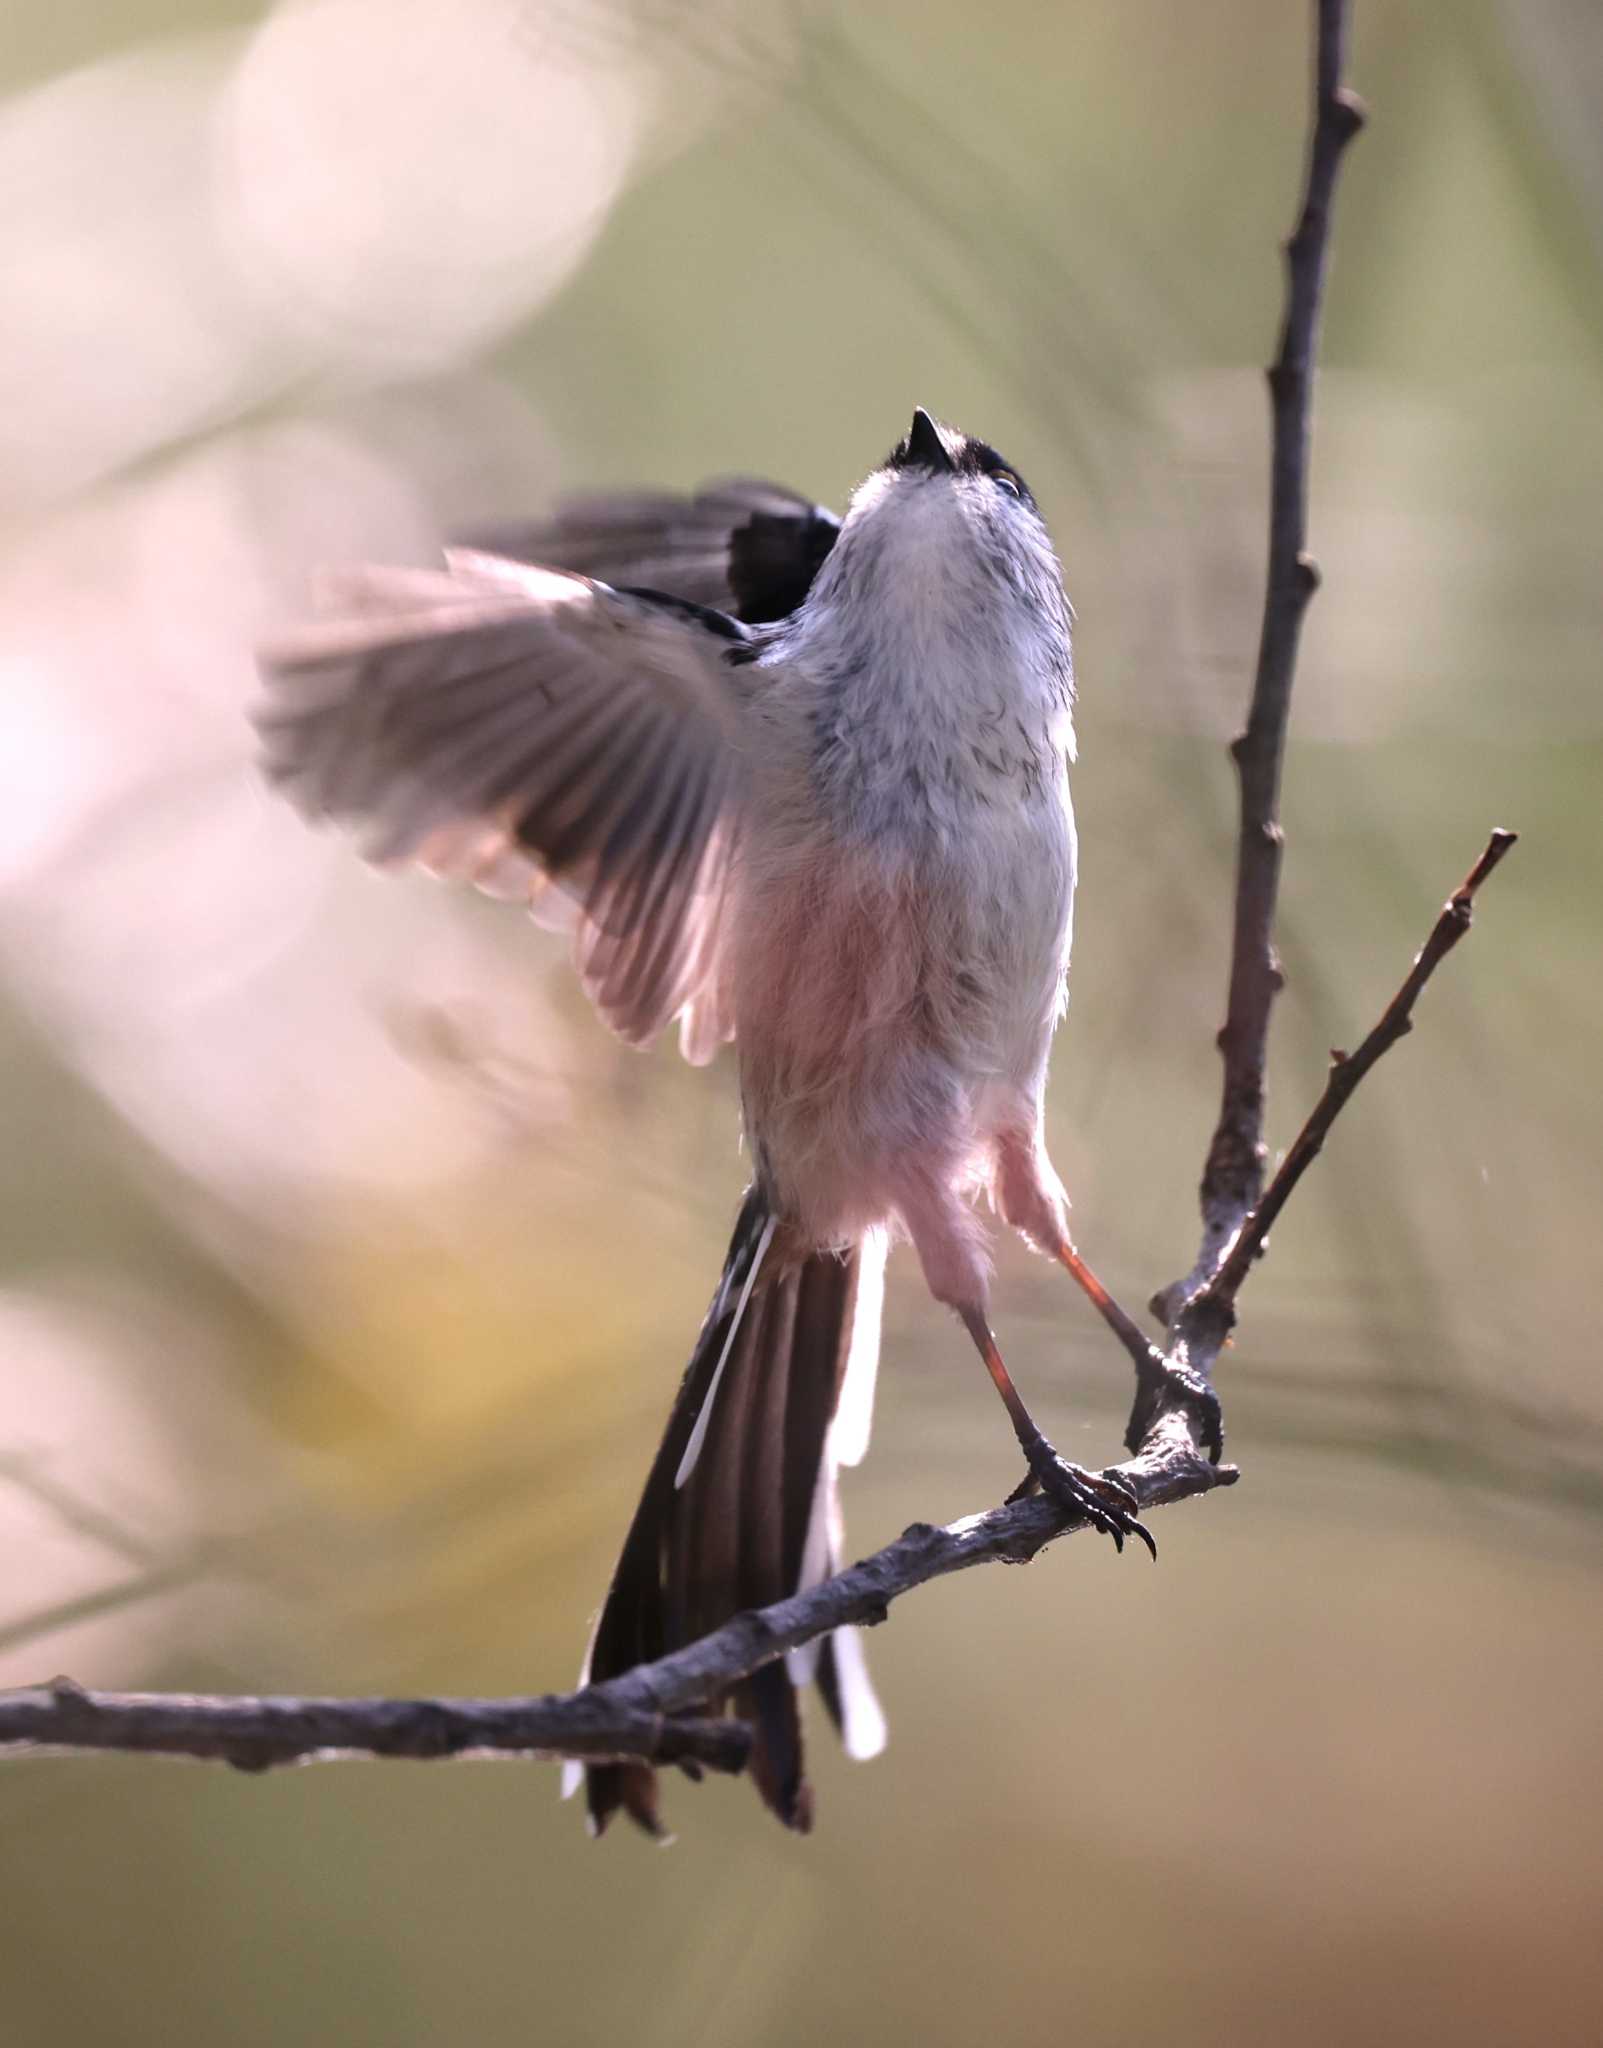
1154 1370
1031 1198
1106 1503
950 1242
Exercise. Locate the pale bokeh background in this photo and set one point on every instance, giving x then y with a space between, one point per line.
326 1365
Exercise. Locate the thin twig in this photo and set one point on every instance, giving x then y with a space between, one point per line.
1348 1069
1232 1177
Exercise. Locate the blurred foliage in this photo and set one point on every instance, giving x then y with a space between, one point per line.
348 1265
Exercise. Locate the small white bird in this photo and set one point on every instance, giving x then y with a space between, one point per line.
805 783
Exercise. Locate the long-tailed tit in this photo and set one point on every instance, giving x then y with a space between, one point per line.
805 784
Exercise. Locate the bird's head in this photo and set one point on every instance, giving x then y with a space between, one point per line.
946 533
951 489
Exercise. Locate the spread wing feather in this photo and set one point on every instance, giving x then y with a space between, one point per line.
740 545
535 730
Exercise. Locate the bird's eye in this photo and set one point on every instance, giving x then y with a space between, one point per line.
1007 480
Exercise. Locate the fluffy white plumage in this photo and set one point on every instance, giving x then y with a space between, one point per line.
903 911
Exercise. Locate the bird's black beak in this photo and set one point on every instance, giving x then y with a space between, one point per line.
925 448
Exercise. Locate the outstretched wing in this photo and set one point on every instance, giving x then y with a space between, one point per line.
530 730
743 546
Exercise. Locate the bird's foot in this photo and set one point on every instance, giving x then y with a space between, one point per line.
1105 1500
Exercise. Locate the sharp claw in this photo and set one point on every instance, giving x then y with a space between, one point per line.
1106 1499
1027 1486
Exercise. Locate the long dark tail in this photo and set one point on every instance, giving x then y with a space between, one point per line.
741 1507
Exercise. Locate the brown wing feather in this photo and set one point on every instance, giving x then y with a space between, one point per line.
521 727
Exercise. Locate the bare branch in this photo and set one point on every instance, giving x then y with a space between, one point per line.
1232 1174
255 1734
1347 1070
1232 1178
632 1716
1168 1469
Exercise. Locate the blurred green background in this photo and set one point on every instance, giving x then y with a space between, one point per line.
326 1366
